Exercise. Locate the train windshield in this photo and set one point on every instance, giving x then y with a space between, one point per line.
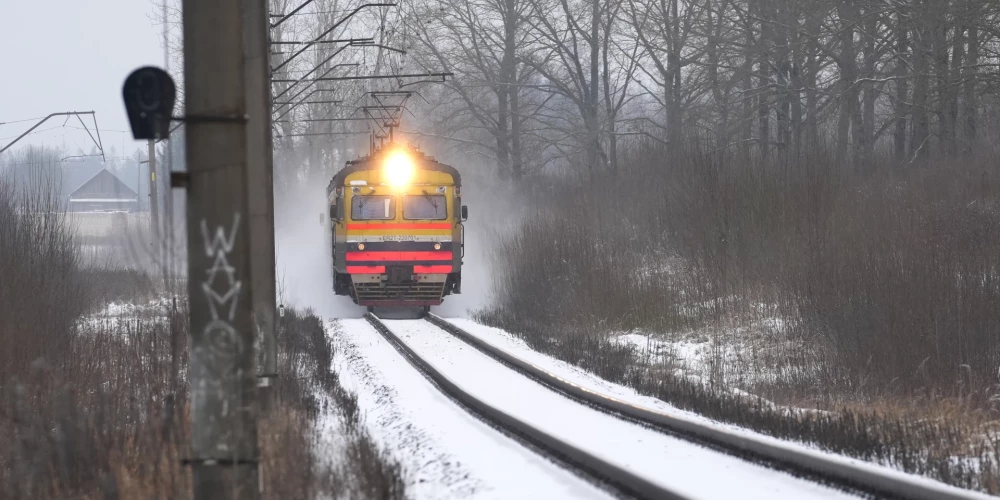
425 207
373 207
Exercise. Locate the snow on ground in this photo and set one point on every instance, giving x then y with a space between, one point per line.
328 439
751 355
517 347
445 452
680 465
157 305
116 314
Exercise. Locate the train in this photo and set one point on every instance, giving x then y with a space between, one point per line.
396 222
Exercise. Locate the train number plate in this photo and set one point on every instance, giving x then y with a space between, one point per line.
399 237
400 274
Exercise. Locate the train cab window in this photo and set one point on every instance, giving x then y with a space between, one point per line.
425 207
374 207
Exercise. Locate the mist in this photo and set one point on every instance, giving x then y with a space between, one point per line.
303 261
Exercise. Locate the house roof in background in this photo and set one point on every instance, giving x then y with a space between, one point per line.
104 175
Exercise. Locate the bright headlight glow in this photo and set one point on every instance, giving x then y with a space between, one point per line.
399 168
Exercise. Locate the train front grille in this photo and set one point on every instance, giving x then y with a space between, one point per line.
386 292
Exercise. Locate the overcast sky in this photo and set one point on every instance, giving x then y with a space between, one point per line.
73 55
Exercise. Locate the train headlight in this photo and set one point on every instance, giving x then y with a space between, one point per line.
437 246
361 246
399 169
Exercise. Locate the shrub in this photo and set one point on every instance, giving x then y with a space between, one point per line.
891 269
885 278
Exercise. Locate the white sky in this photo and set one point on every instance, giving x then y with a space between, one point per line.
73 55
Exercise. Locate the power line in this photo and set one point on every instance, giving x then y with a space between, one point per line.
36 132
313 13
366 77
62 163
21 121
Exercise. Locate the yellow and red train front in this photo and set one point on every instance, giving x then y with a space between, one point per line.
397 239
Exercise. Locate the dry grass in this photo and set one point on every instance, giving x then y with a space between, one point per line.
96 407
362 469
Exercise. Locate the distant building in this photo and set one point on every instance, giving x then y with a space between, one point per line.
104 192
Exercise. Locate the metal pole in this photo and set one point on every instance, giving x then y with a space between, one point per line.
43 120
260 185
222 370
154 204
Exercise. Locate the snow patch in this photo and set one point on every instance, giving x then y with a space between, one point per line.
116 315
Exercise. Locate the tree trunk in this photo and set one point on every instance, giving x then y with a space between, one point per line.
517 159
764 79
609 107
593 97
867 132
969 138
502 133
919 147
508 72
784 66
720 98
954 85
848 78
811 73
946 132
676 119
901 107
748 91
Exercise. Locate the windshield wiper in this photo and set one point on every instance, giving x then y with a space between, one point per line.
365 200
430 199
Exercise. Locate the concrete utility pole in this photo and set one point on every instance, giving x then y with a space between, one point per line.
260 185
222 368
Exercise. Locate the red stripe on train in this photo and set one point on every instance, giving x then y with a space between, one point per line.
431 269
368 227
365 269
381 269
399 256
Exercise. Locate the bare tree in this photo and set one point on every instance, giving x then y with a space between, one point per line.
480 41
566 49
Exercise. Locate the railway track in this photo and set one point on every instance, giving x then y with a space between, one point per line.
863 479
578 459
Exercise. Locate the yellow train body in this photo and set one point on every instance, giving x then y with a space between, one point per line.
396 220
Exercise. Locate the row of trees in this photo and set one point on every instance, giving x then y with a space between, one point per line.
569 79
563 82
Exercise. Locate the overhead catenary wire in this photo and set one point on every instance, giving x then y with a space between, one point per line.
330 30
11 122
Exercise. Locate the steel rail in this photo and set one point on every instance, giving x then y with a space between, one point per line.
582 461
834 470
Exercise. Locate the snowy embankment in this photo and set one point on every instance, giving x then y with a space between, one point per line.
446 452
517 347
588 381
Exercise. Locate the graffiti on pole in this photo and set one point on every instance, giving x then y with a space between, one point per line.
222 287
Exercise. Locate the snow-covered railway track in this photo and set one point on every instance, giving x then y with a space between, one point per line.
576 458
846 474
626 457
